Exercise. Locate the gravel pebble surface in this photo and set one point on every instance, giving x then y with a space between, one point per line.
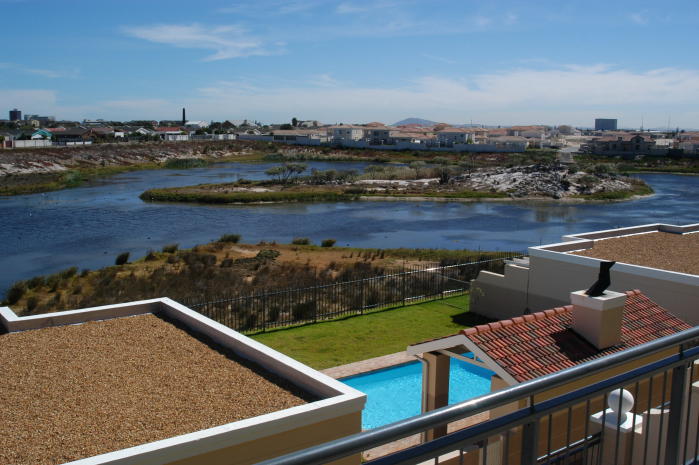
72 392
665 251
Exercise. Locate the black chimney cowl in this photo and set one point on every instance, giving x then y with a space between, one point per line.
603 280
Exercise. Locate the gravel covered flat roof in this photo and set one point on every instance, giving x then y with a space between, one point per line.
71 392
662 250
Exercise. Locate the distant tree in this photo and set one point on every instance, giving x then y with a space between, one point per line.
288 172
418 166
469 140
294 122
286 126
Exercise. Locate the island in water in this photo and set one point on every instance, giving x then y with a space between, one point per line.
416 181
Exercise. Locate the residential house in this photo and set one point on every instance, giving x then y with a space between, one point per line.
515 143
42 134
194 125
625 143
346 133
448 137
102 131
171 133
377 135
413 137
72 135
300 136
535 345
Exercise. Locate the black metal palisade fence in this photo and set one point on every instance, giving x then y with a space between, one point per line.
286 307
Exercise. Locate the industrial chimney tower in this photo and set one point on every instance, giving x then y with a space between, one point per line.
184 120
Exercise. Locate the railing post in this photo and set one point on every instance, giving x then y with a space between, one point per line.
678 404
530 442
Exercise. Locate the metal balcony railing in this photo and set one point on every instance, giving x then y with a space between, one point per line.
561 418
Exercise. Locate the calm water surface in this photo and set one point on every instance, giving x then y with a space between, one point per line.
87 227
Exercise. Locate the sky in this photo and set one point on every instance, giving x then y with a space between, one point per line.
342 61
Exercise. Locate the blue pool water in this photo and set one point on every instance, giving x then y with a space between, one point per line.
395 393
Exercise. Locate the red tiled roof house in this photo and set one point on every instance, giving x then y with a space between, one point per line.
534 345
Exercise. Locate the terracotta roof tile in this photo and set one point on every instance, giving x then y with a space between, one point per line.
543 342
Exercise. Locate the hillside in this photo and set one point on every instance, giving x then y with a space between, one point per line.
420 121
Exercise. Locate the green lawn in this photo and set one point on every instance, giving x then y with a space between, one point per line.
332 343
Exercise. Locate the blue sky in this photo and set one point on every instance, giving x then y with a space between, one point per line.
508 62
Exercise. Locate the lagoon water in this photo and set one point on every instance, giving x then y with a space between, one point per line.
88 226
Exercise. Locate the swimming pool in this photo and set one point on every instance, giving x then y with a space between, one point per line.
395 393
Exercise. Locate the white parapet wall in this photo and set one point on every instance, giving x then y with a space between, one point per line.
554 273
336 414
500 296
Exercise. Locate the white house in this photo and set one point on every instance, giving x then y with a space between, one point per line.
346 133
196 124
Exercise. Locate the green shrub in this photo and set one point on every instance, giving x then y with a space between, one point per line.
151 256
16 292
68 272
304 311
232 238
328 242
170 248
32 303
301 241
36 281
185 163
267 254
273 314
227 263
84 272
53 281
122 259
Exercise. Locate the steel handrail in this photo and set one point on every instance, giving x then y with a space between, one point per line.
365 440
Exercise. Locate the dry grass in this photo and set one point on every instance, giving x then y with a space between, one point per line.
72 392
666 251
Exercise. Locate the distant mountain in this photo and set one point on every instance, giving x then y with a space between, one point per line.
420 121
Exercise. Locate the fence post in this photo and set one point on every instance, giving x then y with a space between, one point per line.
402 275
361 290
315 304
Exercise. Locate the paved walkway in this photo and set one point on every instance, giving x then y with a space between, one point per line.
370 364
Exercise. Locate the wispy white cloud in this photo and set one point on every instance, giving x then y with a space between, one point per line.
225 41
351 7
324 80
48 73
440 59
511 18
28 98
482 21
639 17
273 7
572 93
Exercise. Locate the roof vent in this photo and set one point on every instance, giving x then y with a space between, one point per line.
598 313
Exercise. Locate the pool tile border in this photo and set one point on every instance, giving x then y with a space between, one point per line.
370 364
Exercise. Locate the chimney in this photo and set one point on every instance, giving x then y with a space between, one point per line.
597 312
184 120
598 319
